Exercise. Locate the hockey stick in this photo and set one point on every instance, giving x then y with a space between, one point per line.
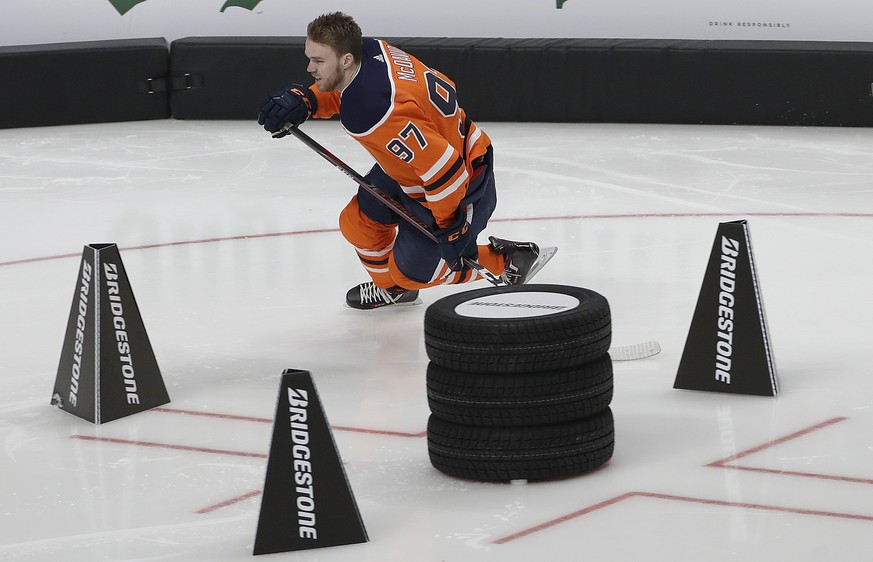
634 352
386 199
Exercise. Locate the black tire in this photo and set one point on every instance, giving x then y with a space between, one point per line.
519 400
518 329
527 453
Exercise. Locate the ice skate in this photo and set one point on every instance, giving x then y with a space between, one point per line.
523 259
368 296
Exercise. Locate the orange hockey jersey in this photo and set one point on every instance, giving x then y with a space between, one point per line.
407 117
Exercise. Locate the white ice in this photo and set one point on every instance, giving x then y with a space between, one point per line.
231 245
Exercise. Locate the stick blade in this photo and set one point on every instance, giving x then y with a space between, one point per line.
636 351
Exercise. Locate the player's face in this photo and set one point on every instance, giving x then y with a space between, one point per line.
328 68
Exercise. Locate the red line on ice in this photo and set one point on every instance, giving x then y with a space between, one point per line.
169 446
685 499
266 420
229 502
771 444
723 463
521 219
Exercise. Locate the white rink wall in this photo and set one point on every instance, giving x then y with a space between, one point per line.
53 21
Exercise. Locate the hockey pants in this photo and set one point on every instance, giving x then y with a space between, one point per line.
395 253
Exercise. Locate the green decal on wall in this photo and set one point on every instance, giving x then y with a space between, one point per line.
247 4
123 6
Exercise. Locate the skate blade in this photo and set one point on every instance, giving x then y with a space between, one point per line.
546 254
397 305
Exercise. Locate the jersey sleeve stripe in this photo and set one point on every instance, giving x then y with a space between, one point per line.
462 179
435 169
446 177
474 136
413 191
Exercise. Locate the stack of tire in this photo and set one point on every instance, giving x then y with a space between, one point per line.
519 383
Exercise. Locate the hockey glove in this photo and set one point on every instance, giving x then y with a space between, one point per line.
453 241
293 104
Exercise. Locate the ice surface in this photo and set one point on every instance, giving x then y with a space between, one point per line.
231 245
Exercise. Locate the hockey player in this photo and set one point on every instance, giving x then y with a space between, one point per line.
429 156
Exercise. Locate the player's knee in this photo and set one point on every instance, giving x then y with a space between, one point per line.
361 231
353 225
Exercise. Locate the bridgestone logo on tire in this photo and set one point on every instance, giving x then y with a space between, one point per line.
516 305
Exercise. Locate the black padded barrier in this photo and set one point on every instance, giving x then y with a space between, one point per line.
83 82
231 75
547 80
571 80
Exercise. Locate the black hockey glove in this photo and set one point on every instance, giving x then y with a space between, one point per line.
454 241
293 104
